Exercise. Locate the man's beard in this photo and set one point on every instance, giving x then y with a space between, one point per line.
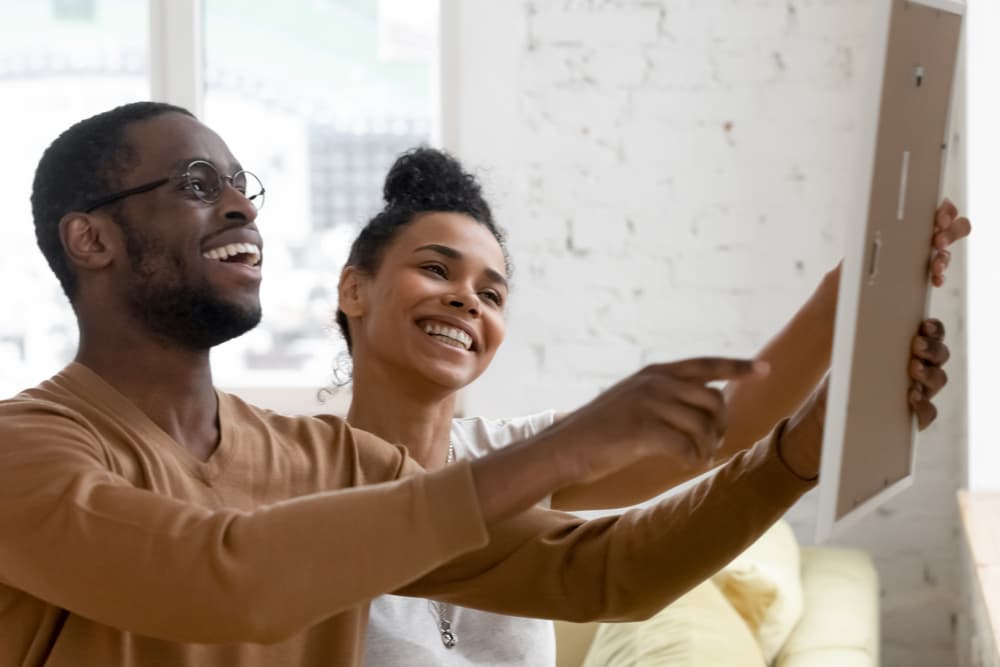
186 314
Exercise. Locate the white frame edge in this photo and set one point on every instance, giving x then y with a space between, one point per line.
850 284
953 6
827 524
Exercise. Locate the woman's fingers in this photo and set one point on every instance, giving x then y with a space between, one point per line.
955 230
928 353
945 214
939 264
924 409
922 406
931 378
948 228
932 328
931 350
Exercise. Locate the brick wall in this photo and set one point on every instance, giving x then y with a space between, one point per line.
673 176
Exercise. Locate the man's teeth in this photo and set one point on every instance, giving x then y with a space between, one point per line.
225 252
449 335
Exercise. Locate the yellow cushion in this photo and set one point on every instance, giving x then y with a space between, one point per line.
840 626
698 629
573 641
764 585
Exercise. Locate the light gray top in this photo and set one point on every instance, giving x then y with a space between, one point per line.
404 631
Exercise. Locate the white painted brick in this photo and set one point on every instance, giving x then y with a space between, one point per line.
592 111
606 359
618 66
591 23
678 67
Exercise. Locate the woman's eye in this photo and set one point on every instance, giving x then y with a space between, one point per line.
493 296
436 268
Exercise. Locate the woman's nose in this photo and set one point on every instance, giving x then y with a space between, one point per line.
469 302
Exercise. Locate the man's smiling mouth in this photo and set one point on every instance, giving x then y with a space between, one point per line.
241 253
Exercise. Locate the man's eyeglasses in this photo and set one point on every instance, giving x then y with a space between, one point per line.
203 181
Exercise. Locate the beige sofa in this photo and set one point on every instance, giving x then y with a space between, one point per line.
838 625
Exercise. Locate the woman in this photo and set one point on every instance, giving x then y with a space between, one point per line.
422 301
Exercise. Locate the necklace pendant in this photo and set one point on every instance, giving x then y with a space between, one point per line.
448 637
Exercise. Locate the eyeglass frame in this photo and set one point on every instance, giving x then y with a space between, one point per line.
152 185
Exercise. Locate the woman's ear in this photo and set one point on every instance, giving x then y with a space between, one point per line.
87 242
351 291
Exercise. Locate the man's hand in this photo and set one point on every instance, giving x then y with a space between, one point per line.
663 410
948 228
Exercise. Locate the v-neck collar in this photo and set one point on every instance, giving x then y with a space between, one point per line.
91 387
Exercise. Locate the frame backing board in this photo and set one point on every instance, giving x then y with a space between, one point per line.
868 448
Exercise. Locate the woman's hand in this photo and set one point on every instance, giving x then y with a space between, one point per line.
928 355
948 228
803 435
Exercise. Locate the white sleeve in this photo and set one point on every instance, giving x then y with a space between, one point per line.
475 437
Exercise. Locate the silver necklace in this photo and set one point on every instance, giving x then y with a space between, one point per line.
448 637
441 610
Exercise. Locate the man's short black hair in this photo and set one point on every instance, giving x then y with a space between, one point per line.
84 163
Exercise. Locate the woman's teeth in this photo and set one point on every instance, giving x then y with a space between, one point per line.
250 252
450 335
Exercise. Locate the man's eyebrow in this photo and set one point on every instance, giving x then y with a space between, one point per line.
180 165
451 253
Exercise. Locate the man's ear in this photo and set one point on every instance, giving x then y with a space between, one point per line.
351 291
87 240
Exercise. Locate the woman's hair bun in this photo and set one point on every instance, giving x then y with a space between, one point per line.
429 179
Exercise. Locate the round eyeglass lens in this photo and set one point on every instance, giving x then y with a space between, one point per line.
251 187
204 181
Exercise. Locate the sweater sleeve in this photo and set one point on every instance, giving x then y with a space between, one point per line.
77 536
552 565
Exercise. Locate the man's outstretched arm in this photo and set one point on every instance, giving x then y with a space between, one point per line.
80 536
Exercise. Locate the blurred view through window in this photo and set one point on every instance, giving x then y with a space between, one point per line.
60 61
315 96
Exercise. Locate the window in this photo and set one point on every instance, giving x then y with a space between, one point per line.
318 98
315 96
93 56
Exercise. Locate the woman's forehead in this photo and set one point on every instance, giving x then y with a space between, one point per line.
459 231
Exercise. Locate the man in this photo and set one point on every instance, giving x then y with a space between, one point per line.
147 519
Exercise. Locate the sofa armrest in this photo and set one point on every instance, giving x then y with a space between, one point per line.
840 620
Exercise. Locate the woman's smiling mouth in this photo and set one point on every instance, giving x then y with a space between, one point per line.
447 334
